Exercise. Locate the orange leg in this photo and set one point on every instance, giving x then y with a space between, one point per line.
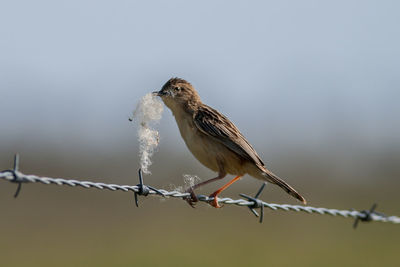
214 202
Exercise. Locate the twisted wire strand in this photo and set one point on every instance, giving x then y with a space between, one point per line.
18 177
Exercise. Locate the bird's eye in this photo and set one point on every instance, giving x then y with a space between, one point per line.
178 88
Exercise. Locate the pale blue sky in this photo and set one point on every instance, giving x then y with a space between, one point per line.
313 72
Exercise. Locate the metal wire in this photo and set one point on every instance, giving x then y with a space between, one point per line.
16 176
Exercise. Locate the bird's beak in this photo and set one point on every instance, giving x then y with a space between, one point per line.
160 93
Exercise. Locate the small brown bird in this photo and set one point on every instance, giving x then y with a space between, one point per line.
214 140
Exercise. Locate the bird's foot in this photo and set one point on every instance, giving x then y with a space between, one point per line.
214 201
192 198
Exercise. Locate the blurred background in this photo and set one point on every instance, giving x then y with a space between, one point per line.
322 79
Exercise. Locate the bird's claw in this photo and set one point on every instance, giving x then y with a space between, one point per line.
214 201
192 198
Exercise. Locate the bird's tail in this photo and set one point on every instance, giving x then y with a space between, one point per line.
272 178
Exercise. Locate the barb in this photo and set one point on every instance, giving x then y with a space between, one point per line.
16 175
366 216
144 190
257 203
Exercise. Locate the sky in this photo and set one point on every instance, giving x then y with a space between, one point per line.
286 72
313 85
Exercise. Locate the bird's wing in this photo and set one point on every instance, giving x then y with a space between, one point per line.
214 124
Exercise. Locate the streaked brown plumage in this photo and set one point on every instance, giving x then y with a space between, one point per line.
214 140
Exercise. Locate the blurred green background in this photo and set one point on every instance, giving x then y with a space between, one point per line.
313 85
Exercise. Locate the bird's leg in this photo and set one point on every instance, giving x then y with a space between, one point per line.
193 198
214 202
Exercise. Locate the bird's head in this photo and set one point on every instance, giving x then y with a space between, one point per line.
178 93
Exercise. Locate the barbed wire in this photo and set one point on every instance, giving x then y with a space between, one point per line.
15 176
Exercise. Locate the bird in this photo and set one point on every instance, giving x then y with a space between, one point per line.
215 141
